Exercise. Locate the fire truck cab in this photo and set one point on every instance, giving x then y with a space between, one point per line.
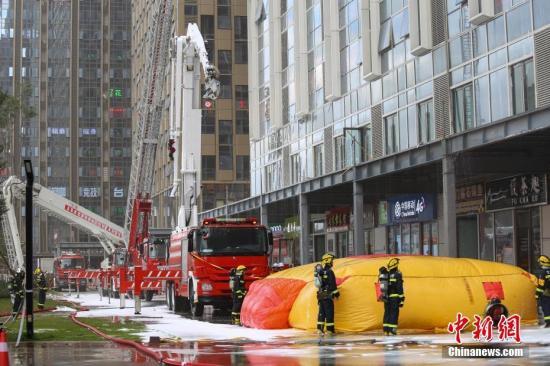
205 256
63 265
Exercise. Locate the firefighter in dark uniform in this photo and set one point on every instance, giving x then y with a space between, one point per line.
17 290
42 285
543 288
239 292
325 280
394 298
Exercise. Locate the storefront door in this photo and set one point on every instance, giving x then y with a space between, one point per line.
342 244
467 237
319 247
527 227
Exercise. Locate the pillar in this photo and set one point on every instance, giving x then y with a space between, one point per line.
263 215
304 228
358 218
449 207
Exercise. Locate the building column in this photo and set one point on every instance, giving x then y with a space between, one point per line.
358 218
449 207
304 227
264 215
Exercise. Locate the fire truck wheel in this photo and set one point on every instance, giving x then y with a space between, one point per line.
149 295
197 308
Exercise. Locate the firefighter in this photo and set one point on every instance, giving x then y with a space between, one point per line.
17 290
325 282
394 298
42 285
239 291
542 293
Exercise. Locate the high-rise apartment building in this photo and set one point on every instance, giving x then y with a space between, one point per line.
225 143
70 61
400 126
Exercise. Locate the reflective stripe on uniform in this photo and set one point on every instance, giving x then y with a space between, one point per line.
335 291
330 324
547 317
390 325
320 323
547 276
234 313
393 279
539 290
396 295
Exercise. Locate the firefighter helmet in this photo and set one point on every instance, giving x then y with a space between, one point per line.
327 258
393 263
37 271
544 261
241 268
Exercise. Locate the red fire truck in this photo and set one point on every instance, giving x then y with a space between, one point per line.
205 255
66 264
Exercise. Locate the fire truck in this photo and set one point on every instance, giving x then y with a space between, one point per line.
204 256
64 265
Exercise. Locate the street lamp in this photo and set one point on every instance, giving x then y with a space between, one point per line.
28 242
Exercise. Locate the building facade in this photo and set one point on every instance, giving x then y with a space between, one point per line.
225 141
70 62
400 126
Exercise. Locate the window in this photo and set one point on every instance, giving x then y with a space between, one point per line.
224 14
318 164
226 145
541 10
241 45
339 153
394 30
499 94
367 143
225 87
241 123
294 168
495 33
243 167
190 9
518 21
483 108
224 61
241 96
523 87
207 26
392 134
208 122
208 167
460 50
458 19
463 108
426 125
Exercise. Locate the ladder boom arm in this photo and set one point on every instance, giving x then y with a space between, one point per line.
109 234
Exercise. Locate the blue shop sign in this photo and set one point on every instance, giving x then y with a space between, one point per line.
411 208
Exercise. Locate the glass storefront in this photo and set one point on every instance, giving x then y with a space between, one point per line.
511 236
413 238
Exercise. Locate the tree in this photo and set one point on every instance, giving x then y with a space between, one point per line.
9 107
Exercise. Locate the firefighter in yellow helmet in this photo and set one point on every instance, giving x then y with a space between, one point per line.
237 284
41 283
325 281
542 293
393 298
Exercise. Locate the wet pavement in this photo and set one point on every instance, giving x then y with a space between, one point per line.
337 351
75 353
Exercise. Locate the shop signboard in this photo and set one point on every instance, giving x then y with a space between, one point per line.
517 191
411 208
470 199
338 219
